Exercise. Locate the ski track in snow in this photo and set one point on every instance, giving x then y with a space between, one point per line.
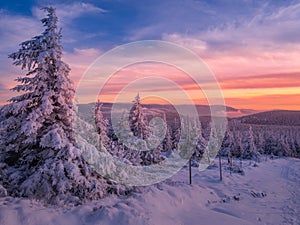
267 194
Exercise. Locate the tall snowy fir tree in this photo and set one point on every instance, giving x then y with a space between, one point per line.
101 127
228 145
119 149
200 147
239 150
138 123
252 149
167 143
39 157
140 129
176 134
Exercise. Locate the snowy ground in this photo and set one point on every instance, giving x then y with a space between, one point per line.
267 194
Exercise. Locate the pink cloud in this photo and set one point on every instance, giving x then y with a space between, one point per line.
279 80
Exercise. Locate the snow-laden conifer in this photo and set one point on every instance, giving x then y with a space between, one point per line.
141 129
39 154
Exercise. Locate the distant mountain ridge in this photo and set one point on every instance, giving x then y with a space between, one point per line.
247 116
203 110
274 117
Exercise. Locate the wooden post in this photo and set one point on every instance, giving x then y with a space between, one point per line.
230 161
188 142
190 168
220 165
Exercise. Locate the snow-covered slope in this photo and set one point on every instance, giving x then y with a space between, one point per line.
267 194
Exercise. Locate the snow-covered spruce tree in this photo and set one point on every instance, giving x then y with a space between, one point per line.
39 158
167 143
252 148
260 142
119 149
138 123
140 129
101 127
239 150
228 142
175 134
228 145
200 147
210 150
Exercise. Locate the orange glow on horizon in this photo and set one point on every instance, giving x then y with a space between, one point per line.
260 91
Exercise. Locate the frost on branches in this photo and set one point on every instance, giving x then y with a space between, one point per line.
101 127
38 153
119 149
141 129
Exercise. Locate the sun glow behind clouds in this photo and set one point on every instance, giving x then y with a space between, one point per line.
151 79
254 53
261 92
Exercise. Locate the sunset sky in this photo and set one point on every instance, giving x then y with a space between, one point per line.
252 47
